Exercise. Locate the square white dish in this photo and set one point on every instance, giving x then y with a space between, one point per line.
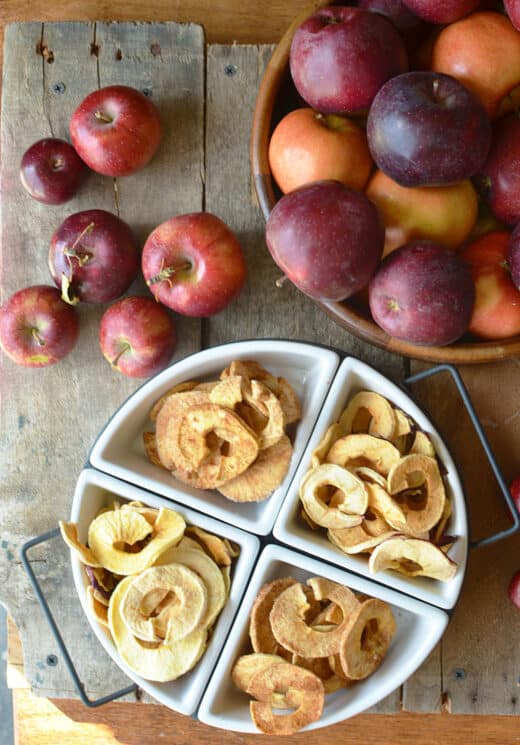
94 490
352 377
419 628
119 449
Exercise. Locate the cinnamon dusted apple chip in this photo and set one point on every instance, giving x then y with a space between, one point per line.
263 476
302 690
366 638
168 420
247 666
251 370
179 388
368 412
150 446
227 392
260 632
349 507
263 400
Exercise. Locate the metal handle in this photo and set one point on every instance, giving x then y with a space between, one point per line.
485 445
55 630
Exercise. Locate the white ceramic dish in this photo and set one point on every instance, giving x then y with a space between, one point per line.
352 377
419 628
94 490
119 449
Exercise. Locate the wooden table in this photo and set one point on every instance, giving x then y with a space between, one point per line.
51 417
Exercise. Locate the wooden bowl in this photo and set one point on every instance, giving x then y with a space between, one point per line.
276 97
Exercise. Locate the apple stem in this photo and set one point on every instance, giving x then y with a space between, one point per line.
281 281
102 117
36 336
124 348
167 272
435 86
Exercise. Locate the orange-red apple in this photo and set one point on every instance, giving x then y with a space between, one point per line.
445 214
308 146
483 52
496 314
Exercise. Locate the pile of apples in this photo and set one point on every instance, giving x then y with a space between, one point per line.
192 264
400 172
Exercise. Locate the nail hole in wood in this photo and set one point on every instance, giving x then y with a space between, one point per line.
119 55
59 88
155 49
44 51
52 660
230 70
147 92
94 49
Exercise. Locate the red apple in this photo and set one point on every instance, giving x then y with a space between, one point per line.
309 146
513 257
499 177
36 327
496 314
441 11
514 488
51 171
194 264
483 52
116 130
340 57
326 238
423 293
513 590
137 336
512 8
93 257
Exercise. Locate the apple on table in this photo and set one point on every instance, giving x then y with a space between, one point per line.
51 171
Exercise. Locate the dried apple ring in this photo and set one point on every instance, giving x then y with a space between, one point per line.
114 536
69 533
422 445
412 471
98 608
414 557
150 447
366 638
352 451
357 540
165 602
247 666
168 419
188 385
369 475
261 398
260 633
302 690
227 392
218 549
290 628
333 433
349 511
263 476
251 370
380 501
158 661
370 413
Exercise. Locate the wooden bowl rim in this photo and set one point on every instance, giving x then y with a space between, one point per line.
346 316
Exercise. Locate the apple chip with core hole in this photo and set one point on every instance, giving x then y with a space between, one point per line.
350 505
291 630
364 450
263 400
413 557
302 690
124 542
180 388
164 603
260 632
380 501
370 413
168 419
158 661
247 666
263 476
319 454
69 533
366 638
416 483
357 540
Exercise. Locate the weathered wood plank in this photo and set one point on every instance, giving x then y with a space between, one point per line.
422 692
46 436
480 660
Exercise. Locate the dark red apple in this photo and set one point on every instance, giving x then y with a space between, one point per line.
513 256
116 130
327 238
137 336
51 171
413 30
512 8
341 56
441 11
194 264
513 590
423 293
514 488
93 257
427 129
499 177
36 327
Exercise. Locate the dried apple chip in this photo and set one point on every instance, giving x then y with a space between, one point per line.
349 509
422 445
352 451
217 548
168 420
69 533
380 501
165 603
251 370
124 542
98 608
414 557
414 471
188 385
263 476
368 412
247 666
333 433
261 635
261 398
366 638
150 447
227 392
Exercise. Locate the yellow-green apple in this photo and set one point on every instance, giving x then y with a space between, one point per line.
51 171
499 177
194 264
36 327
93 257
340 57
425 128
326 238
483 52
445 214
308 146
116 130
441 11
423 293
496 314
137 336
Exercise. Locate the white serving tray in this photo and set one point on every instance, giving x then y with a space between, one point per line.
419 628
94 490
352 377
119 449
